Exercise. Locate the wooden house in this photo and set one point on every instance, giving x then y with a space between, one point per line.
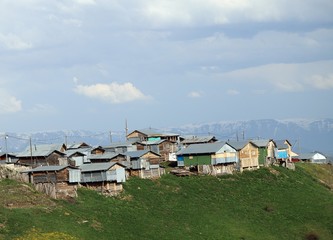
97 150
120 147
8 157
188 140
266 148
209 158
283 150
42 155
106 178
150 134
248 154
78 146
145 164
55 181
106 157
78 156
164 147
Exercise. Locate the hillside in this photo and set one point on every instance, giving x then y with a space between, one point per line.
270 203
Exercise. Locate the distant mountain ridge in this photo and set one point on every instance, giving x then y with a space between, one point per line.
305 135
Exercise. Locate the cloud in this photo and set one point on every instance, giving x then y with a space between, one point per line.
13 42
322 82
42 108
195 94
233 92
9 104
112 93
285 77
210 12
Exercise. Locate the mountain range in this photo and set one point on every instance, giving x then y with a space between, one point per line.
304 135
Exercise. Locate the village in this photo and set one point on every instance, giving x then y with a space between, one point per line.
58 170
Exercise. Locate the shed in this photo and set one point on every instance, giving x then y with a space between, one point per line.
313 157
145 164
56 181
104 177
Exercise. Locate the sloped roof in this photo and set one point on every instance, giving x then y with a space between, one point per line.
139 153
106 155
202 148
118 144
42 150
95 167
280 144
197 139
148 143
53 168
261 142
84 151
151 132
238 145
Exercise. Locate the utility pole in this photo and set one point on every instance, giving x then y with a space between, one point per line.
30 150
243 135
66 140
126 130
6 136
110 137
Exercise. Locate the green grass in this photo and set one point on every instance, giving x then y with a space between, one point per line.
265 204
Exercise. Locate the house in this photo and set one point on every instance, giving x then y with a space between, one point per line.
78 145
97 150
145 164
106 157
45 154
208 158
55 181
266 149
313 157
150 134
78 156
187 140
248 154
106 178
163 147
8 157
120 147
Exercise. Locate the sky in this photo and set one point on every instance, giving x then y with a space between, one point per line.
93 64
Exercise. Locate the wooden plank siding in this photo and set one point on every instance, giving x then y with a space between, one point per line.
248 157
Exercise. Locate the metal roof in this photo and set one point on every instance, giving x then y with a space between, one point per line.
147 143
150 132
40 151
106 155
261 142
280 144
196 139
238 145
53 168
139 153
201 148
95 167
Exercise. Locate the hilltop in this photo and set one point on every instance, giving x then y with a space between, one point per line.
270 203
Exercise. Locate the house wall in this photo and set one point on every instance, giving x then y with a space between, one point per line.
262 155
60 190
249 157
197 160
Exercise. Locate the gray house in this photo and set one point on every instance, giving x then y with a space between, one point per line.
106 178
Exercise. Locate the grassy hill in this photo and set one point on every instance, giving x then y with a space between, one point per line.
273 203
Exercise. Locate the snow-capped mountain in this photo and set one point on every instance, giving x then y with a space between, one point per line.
305 135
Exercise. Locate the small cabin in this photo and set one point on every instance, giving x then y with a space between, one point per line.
55 181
